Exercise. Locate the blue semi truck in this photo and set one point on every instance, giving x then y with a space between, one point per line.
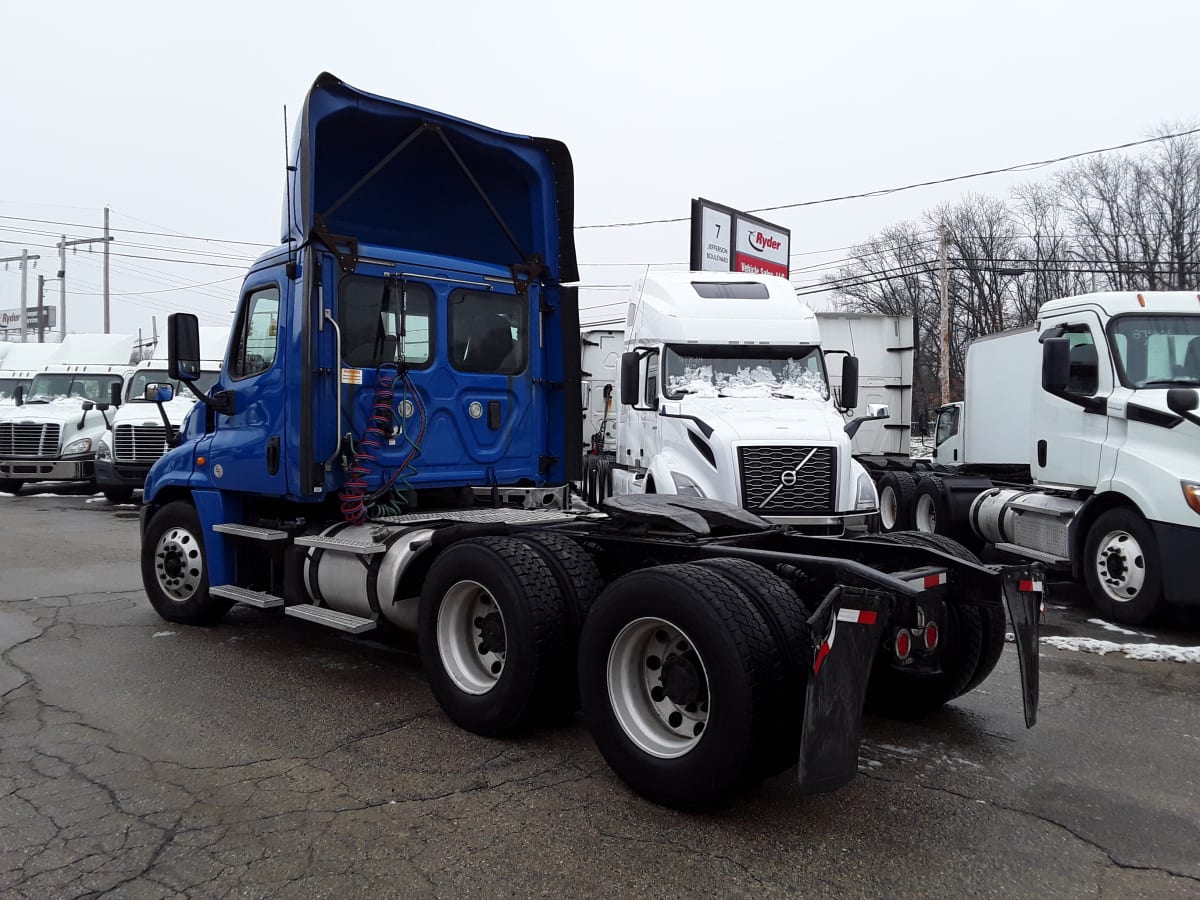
392 442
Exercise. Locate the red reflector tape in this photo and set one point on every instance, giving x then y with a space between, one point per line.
858 616
1028 587
821 654
928 581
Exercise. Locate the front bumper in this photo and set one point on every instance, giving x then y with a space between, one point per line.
48 469
1178 550
832 525
110 474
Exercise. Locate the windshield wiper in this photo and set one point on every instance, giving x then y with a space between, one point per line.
1159 382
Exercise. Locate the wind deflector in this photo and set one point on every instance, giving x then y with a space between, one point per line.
369 170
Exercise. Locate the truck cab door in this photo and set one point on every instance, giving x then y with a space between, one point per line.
1070 429
246 450
948 436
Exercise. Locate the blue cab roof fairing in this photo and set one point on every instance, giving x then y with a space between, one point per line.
390 174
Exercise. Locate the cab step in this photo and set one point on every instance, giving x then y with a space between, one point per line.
261 599
330 618
340 545
250 531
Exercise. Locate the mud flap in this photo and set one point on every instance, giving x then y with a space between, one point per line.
1024 592
852 621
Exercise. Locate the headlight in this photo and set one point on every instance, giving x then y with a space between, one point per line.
1191 493
867 498
685 486
83 445
103 451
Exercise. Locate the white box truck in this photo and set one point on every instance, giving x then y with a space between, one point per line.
1077 446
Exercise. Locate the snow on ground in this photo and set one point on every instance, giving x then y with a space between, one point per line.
1109 626
1147 652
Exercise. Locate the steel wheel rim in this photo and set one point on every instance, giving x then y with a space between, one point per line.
889 507
641 657
178 564
1120 566
472 638
925 515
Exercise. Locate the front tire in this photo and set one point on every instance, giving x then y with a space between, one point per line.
118 494
1121 567
675 667
492 634
174 572
10 486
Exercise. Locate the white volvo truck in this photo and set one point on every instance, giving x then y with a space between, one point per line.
1078 445
51 432
717 387
138 434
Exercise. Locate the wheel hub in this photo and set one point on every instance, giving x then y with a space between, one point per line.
178 564
681 681
491 633
1121 566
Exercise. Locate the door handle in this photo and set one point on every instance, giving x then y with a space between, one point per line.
273 455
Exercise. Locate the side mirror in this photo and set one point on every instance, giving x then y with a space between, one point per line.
630 369
1182 401
183 346
159 393
1056 365
114 394
849 398
19 395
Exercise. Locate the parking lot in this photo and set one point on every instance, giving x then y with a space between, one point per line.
269 757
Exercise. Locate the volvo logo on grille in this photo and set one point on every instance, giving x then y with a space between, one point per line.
787 478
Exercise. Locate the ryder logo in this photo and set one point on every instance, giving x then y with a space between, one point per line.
763 241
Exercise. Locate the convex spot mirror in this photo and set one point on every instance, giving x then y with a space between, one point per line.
159 393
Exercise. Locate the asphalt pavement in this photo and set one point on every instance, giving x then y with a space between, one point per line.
268 757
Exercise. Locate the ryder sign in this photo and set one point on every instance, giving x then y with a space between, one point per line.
725 240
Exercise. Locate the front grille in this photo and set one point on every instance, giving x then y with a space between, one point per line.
139 443
788 481
33 440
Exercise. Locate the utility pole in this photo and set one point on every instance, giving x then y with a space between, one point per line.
40 320
944 319
62 273
23 259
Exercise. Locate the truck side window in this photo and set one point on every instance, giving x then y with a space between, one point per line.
947 425
257 333
652 368
487 332
369 315
1085 362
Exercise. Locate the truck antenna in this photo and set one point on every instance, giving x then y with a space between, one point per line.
288 169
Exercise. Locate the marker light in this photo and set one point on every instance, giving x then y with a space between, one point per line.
1191 493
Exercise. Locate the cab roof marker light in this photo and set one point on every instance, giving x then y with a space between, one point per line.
1141 300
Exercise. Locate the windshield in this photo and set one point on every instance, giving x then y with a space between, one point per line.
49 386
137 388
1157 351
730 371
8 385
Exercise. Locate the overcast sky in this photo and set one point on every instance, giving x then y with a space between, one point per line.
172 115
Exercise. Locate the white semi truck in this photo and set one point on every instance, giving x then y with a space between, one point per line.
21 362
51 432
717 387
140 429
1078 446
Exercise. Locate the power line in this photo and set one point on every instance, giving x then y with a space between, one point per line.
883 192
186 237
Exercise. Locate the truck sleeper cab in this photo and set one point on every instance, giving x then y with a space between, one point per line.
388 444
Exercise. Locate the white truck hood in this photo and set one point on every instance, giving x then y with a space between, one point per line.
762 419
139 412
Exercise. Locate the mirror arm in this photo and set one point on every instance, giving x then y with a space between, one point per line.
854 424
221 401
